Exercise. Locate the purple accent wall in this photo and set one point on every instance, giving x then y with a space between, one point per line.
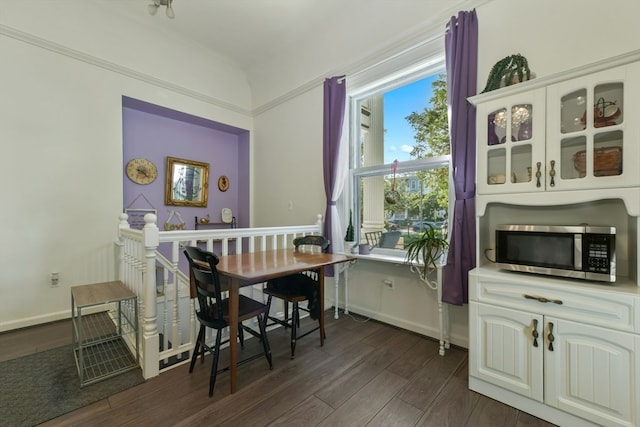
155 132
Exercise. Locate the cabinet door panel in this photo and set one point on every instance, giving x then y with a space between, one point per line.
511 141
591 134
592 372
502 349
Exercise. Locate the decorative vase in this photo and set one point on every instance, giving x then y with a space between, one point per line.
524 132
492 137
348 246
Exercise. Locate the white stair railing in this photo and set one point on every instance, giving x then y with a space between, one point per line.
165 305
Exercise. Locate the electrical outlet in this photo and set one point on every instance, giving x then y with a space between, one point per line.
55 279
388 283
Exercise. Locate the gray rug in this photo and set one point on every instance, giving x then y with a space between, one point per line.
45 385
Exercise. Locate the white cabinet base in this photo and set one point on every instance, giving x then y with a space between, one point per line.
527 405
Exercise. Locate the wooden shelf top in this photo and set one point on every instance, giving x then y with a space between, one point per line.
100 293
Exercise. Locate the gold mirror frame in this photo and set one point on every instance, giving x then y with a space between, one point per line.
187 183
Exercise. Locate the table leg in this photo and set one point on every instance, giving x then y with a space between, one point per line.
234 287
321 319
346 288
336 279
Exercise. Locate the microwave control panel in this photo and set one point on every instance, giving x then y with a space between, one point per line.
599 252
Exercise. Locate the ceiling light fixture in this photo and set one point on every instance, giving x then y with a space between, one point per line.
153 7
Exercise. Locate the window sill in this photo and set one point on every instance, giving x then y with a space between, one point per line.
396 256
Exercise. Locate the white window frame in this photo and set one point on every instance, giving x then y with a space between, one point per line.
429 67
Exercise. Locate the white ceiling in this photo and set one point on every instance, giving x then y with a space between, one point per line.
249 31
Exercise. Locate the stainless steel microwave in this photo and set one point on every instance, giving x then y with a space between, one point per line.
580 252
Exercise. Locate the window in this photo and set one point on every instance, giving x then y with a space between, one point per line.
400 156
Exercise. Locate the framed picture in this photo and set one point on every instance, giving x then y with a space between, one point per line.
223 183
187 183
136 217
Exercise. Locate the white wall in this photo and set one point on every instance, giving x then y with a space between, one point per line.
287 163
61 137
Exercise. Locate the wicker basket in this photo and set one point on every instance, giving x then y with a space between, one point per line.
606 161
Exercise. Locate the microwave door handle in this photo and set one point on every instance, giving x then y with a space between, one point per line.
577 251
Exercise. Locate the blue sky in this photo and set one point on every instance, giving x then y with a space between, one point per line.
398 104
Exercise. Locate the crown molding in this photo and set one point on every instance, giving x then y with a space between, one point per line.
116 68
404 50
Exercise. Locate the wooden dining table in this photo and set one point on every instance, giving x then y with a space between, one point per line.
247 269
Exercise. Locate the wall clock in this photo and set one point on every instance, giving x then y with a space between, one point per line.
142 171
223 183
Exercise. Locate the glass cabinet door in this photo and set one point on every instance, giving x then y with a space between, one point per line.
587 132
510 143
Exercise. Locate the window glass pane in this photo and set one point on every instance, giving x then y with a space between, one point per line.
405 123
402 174
417 200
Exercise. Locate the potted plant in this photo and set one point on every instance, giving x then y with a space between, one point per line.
349 236
425 249
509 70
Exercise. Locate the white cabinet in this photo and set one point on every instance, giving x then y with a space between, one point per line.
559 150
572 132
549 343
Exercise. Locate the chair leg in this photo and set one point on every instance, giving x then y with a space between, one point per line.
295 319
196 349
214 365
266 315
241 335
265 341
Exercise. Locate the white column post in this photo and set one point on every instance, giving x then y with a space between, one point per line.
150 337
373 187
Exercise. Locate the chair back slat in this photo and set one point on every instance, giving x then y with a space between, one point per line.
203 268
312 240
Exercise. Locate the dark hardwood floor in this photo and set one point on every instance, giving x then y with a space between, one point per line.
367 373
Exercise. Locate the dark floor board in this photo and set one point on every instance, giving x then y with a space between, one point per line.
304 414
25 341
489 412
336 393
299 387
431 378
367 402
414 358
396 413
367 373
454 404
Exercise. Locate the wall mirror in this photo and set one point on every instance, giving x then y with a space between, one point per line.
187 183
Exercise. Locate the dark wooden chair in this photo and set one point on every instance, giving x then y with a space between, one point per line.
213 312
294 289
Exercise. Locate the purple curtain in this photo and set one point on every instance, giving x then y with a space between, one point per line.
461 53
334 106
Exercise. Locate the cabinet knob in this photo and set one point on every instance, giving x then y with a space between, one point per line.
538 174
552 173
534 333
550 337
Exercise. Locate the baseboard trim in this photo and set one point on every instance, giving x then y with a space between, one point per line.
430 331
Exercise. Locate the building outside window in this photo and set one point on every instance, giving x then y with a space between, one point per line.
400 160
